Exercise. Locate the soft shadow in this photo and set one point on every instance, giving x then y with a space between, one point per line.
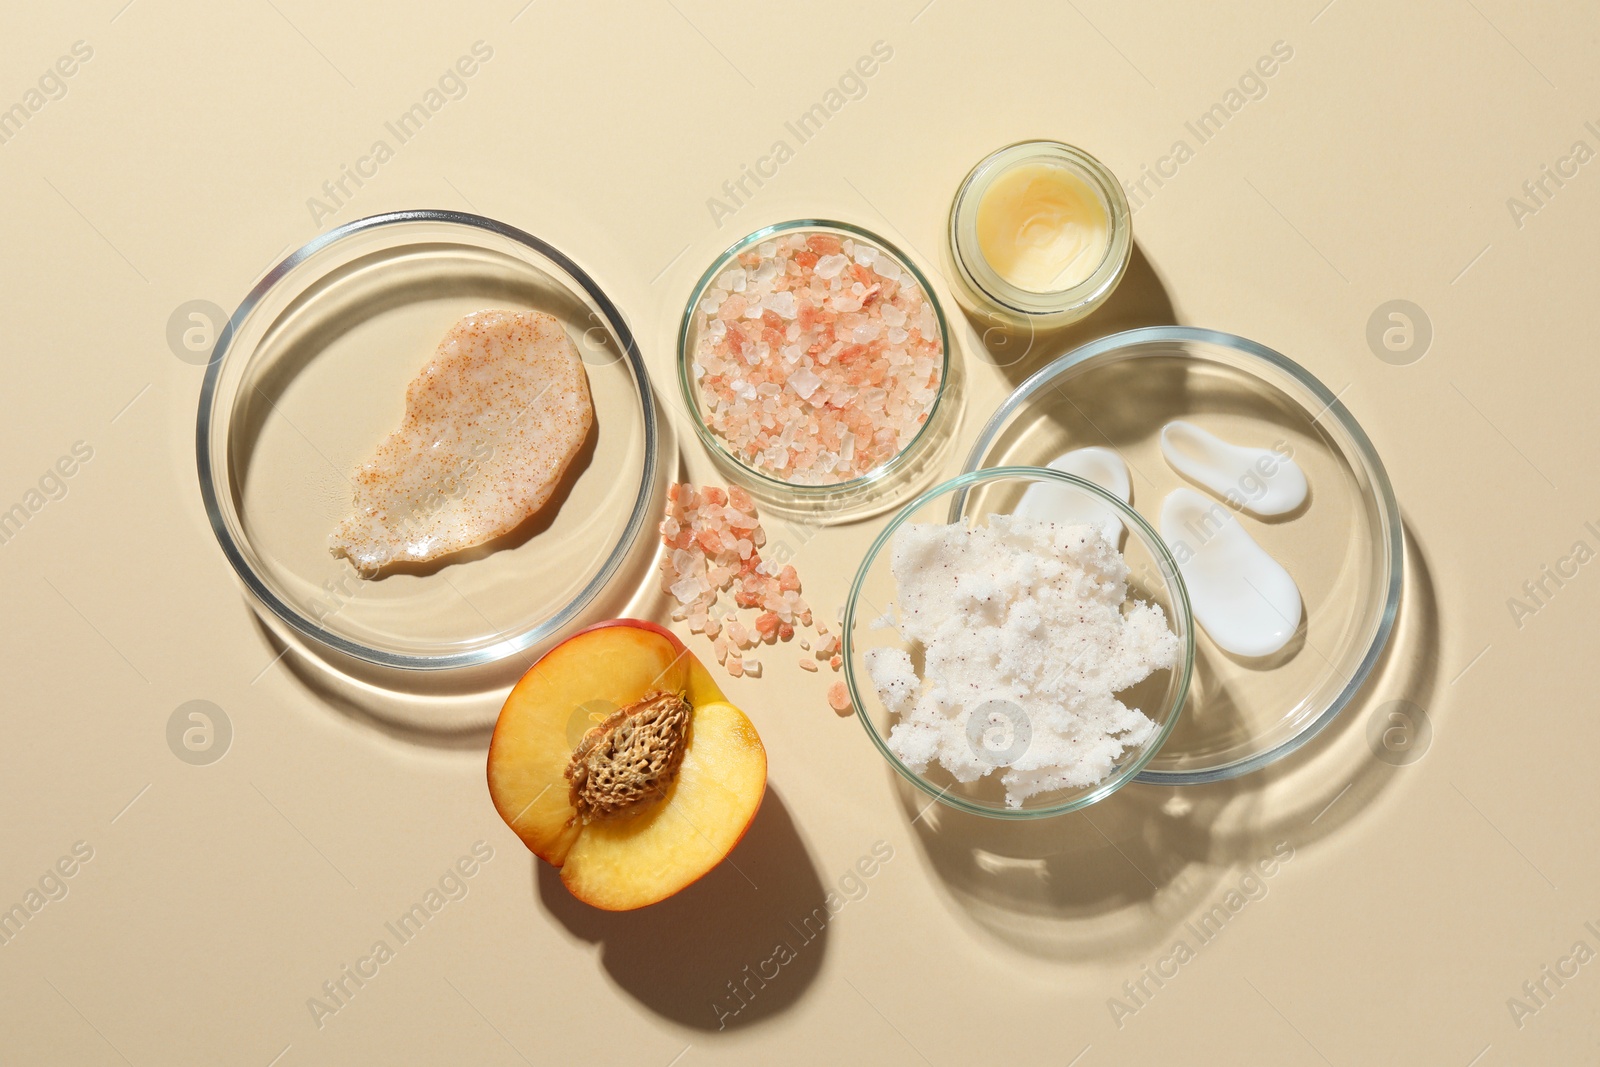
1285 516
1328 783
1122 876
1140 300
708 957
449 711
1110 880
1127 397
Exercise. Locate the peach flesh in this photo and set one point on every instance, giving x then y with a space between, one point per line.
630 860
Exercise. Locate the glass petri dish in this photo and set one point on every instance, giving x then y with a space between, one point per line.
1342 547
870 492
310 374
972 498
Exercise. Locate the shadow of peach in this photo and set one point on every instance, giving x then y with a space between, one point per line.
739 946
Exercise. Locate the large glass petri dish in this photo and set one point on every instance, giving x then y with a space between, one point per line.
310 374
1342 547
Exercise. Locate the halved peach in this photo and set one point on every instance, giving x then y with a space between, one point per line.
617 759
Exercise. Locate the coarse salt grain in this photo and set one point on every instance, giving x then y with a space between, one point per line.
812 367
830 266
713 538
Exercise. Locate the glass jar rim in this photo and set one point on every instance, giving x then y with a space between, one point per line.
982 278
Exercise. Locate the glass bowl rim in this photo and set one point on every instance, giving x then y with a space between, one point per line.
1180 596
300 623
710 439
1388 507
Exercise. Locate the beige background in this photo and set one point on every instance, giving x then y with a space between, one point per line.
1419 898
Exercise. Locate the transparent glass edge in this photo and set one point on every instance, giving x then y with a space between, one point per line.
1389 509
219 516
1086 295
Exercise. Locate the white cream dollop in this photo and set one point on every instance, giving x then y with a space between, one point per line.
1259 480
1242 596
1065 504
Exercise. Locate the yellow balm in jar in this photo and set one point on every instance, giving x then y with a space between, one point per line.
1042 228
1040 235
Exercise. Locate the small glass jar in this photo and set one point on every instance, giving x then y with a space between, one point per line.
979 287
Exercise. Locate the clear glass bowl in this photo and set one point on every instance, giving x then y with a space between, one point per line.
1342 547
310 375
869 493
972 497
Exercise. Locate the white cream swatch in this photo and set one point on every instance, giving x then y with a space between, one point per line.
1258 480
1066 505
1242 597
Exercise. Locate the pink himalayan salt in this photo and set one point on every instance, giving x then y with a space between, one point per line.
819 362
712 538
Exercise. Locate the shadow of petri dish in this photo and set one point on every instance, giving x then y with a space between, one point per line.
1103 884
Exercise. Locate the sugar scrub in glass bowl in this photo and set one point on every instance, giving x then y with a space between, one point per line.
815 361
1018 642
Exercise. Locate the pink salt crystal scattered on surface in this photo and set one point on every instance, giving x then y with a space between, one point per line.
712 537
808 665
819 362
839 698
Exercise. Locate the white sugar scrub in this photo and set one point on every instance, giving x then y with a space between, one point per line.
1029 613
1243 597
